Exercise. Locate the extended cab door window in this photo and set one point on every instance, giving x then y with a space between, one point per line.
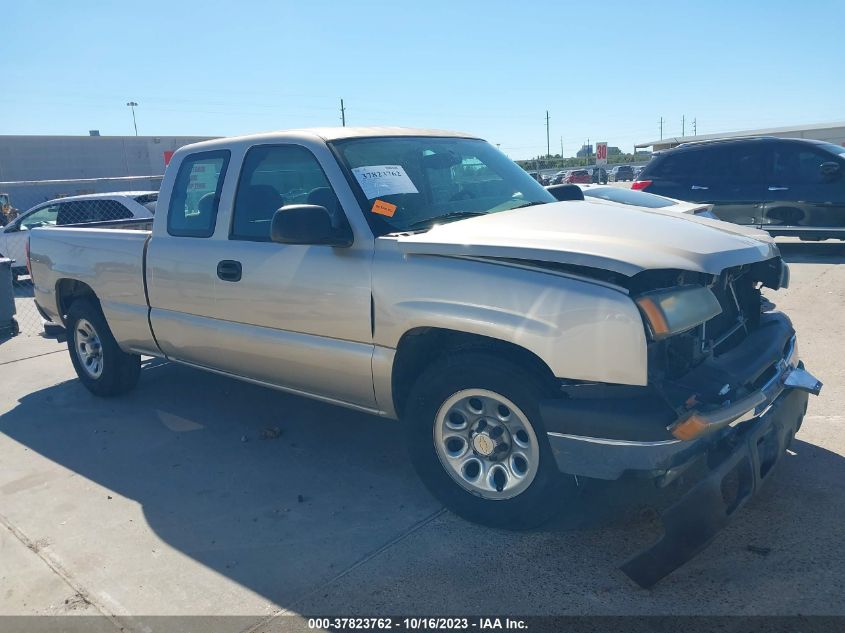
196 194
274 176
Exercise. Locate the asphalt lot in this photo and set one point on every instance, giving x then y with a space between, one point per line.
180 499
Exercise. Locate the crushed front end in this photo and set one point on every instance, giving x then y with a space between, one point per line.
726 393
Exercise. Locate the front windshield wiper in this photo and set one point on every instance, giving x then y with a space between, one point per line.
528 204
454 215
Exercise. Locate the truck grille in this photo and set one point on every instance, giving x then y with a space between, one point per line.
740 301
738 295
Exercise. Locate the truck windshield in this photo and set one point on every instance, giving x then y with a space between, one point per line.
412 183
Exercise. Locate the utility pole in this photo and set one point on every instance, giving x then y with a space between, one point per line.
684 125
694 127
561 147
661 128
132 105
342 113
548 139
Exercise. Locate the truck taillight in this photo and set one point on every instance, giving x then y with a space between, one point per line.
639 185
28 264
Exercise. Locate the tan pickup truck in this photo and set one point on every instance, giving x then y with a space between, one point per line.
423 276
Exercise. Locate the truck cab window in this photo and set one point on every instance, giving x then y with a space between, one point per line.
196 194
274 176
45 216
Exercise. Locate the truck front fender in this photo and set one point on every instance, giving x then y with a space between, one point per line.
580 329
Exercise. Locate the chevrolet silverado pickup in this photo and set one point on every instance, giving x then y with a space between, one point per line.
423 276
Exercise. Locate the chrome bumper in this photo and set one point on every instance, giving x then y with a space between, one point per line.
603 458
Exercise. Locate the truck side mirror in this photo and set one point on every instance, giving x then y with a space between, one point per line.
309 224
830 170
566 192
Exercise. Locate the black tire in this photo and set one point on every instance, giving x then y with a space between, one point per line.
119 371
548 491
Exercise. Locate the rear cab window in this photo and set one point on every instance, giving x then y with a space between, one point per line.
196 194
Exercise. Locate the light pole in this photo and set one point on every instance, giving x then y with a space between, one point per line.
132 105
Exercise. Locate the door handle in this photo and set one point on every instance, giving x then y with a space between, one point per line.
778 188
229 270
699 187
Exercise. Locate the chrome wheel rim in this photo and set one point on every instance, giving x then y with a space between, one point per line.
486 444
89 350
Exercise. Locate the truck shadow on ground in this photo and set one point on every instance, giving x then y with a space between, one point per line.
283 495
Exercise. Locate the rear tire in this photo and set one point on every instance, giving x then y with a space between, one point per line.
507 479
104 368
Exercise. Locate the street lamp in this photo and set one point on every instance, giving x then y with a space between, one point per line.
132 105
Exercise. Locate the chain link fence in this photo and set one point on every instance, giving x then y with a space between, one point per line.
130 210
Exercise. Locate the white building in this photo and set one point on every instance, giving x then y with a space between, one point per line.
830 132
38 168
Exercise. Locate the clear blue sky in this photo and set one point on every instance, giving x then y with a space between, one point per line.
605 70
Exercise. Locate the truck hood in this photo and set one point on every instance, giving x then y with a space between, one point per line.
595 233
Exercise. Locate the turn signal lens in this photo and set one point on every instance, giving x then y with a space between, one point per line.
654 315
690 428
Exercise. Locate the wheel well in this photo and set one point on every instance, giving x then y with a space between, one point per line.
70 290
420 347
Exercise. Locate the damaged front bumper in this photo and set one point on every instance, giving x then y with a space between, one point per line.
736 444
740 468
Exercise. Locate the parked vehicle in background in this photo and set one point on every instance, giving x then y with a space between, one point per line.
620 173
638 170
95 207
577 176
599 176
559 177
786 186
646 200
424 276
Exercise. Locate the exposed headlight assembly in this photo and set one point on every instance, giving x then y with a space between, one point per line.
674 310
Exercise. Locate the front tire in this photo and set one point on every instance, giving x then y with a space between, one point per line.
104 368
475 437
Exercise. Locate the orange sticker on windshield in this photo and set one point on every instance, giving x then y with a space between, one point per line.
384 208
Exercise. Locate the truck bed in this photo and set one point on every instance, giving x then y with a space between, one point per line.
107 259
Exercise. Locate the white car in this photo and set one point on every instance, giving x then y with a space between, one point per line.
623 195
95 207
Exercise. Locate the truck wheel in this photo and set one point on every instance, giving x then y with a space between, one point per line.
475 437
104 368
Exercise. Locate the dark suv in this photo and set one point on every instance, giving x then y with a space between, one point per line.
785 186
622 172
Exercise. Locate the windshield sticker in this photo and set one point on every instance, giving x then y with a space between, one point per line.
384 208
383 180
